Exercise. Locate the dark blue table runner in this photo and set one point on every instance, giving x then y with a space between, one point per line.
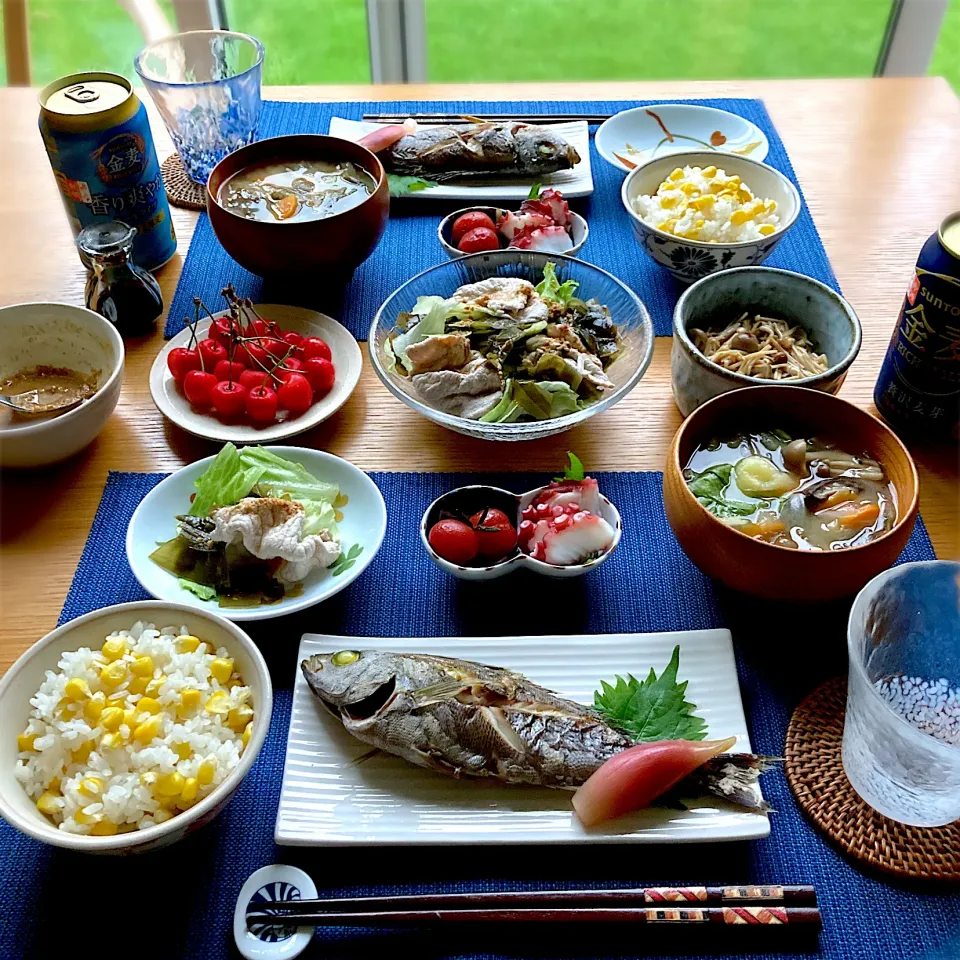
410 244
55 904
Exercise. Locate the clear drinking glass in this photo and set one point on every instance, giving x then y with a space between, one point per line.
901 737
206 85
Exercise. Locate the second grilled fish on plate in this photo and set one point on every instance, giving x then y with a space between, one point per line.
468 720
503 149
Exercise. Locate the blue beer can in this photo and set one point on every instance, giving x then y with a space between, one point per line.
918 390
101 149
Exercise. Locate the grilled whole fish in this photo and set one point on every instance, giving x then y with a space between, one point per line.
468 719
476 149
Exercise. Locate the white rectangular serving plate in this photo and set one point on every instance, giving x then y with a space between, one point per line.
575 182
328 798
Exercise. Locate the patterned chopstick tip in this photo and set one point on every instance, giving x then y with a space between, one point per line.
770 915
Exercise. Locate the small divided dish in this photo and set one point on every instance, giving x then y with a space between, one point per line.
579 231
478 497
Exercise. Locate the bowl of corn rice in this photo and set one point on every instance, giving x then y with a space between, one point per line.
696 213
127 728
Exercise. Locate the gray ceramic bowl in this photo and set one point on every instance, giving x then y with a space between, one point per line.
721 297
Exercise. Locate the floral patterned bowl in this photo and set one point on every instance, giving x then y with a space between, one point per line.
689 260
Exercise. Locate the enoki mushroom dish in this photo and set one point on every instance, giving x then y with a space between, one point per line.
761 347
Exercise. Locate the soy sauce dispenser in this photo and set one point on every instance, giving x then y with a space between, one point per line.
127 295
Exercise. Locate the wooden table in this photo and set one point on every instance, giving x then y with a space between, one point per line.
875 159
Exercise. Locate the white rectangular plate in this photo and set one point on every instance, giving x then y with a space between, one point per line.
576 182
328 799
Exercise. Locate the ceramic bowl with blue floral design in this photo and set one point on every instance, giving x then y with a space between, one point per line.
689 260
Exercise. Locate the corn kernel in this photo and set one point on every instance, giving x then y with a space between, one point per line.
771 206
111 718
113 648
221 669
113 674
744 195
704 203
187 643
127 828
676 174
247 733
149 729
169 804
77 688
25 741
153 687
239 717
111 741
739 217
82 816
161 816
206 771
142 667
54 785
218 703
666 202
139 685
169 785
709 172
189 701
48 804
82 753
667 226
190 788
105 828
130 716
183 751
766 229
91 786
93 708
690 189
148 705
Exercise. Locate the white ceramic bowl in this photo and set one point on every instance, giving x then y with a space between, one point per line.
23 679
687 123
480 496
579 231
364 522
58 335
345 355
689 260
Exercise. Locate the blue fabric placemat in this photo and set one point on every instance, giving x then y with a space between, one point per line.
179 902
410 245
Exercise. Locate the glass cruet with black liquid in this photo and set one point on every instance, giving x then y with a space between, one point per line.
127 295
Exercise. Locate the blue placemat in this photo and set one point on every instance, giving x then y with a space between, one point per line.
179 902
410 245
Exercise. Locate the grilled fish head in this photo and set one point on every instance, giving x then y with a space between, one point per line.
352 684
538 147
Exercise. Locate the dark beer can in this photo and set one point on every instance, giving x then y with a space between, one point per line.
918 390
98 139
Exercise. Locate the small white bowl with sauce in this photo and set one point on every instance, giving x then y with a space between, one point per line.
57 335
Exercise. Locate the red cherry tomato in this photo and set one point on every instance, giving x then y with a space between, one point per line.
225 370
262 404
254 378
470 221
180 361
453 540
480 238
315 347
496 535
228 399
211 353
197 385
295 393
294 339
289 366
320 373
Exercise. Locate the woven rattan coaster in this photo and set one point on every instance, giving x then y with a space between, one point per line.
181 190
815 773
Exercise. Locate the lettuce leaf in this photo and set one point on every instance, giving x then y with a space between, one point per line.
507 410
545 399
709 486
226 481
203 591
433 321
279 477
550 288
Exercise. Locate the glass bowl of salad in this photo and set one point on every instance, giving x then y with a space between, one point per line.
511 345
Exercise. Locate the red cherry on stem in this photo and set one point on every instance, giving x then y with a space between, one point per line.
180 361
228 398
197 385
262 404
320 373
225 370
295 393
211 353
315 347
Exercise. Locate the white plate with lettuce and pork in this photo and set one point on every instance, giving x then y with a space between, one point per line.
256 533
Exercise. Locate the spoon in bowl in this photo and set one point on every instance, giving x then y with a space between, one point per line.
30 404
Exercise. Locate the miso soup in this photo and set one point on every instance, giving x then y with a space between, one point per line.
796 492
295 192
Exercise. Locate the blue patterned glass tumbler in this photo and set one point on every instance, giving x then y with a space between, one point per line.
206 85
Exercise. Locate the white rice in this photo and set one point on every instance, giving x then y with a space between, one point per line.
703 203
129 770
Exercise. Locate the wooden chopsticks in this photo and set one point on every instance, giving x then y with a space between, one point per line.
766 905
593 118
